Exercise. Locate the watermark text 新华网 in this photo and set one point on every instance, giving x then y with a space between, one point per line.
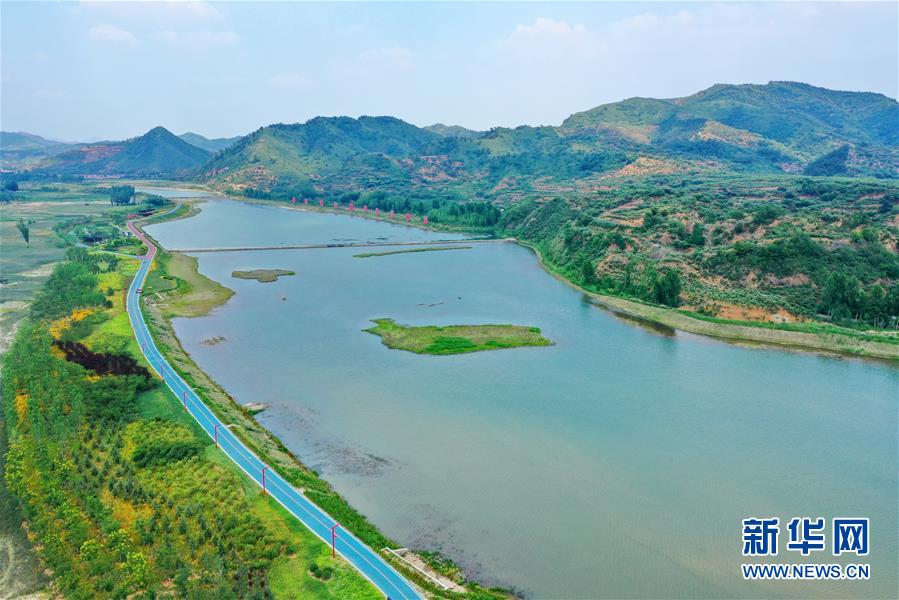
806 537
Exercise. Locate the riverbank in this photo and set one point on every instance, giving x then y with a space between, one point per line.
830 339
806 336
180 291
159 309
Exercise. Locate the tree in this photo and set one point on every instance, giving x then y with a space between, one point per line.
874 306
652 218
666 290
841 296
11 185
120 195
182 579
697 236
23 229
588 271
765 214
137 569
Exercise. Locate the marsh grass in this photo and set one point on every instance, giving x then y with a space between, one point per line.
262 275
181 290
455 339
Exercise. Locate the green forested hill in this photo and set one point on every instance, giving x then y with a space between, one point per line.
780 127
801 116
210 144
20 149
770 248
23 142
454 131
157 153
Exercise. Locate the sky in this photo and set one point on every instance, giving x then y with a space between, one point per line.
85 71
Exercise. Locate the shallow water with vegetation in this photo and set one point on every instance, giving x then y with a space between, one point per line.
263 275
455 339
616 462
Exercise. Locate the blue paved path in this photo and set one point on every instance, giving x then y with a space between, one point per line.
363 558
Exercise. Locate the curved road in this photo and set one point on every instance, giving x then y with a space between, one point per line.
363 558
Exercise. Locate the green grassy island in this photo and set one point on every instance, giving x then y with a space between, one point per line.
455 339
262 275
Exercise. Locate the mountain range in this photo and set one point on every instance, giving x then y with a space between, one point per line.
779 127
212 145
154 154
21 149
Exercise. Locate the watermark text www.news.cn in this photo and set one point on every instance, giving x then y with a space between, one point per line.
806 537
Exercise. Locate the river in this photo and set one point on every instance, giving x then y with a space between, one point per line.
617 463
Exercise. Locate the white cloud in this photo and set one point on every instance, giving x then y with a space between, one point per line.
549 37
157 12
112 34
391 58
548 28
202 39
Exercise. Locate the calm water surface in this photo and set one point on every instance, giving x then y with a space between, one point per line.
617 463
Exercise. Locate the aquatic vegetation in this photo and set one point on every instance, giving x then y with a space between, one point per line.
455 339
262 275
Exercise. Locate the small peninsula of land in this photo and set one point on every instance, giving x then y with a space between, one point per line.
455 339
431 249
262 275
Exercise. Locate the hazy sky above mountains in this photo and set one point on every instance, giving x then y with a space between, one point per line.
103 70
